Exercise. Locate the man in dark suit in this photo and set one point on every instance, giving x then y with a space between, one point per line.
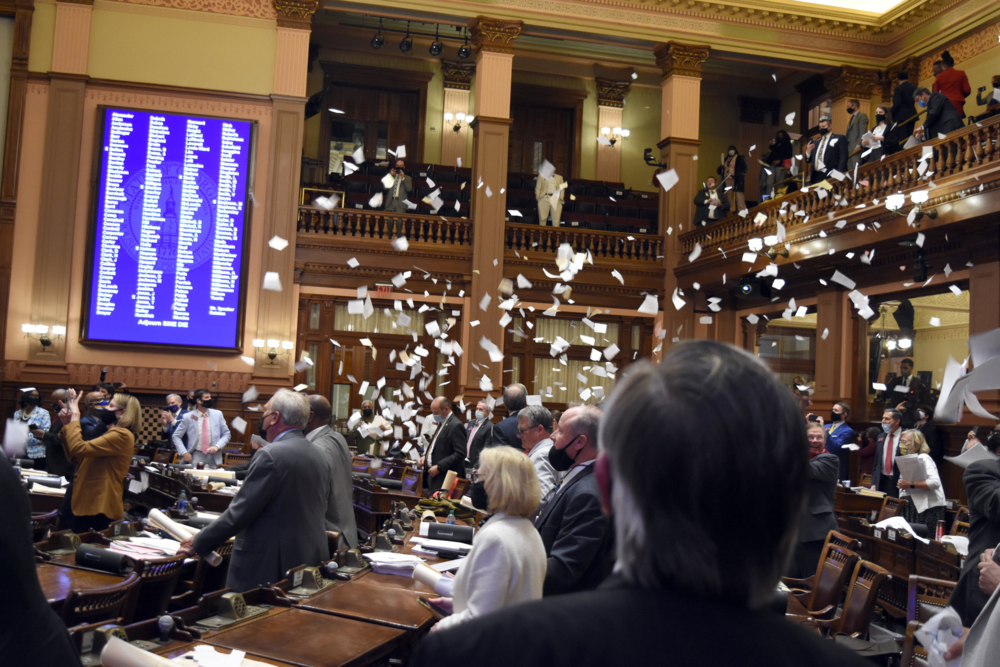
902 110
278 515
856 128
885 473
828 155
818 518
576 532
515 397
447 449
925 424
941 116
705 513
905 377
340 500
982 486
710 204
480 434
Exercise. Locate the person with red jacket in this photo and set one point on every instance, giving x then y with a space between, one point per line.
953 84
868 440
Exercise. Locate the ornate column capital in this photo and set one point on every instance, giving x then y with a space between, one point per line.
496 35
848 81
296 13
457 74
612 93
684 59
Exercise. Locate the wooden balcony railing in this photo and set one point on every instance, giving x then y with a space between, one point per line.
602 245
381 225
959 152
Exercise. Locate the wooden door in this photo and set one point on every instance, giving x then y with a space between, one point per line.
542 133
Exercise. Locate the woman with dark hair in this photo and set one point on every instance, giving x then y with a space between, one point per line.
953 84
38 422
868 442
780 159
734 175
879 144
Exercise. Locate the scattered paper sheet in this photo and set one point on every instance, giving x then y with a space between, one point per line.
668 179
272 281
278 243
650 305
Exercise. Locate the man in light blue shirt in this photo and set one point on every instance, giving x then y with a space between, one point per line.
534 426
205 432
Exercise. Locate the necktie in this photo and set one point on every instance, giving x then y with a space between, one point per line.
395 190
472 434
205 435
888 455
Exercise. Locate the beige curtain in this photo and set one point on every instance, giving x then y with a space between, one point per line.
563 382
383 320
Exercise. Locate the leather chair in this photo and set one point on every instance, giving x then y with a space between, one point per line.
832 538
890 507
866 480
206 579
99 604
961 524
835 568
157 580
862 593
164 456
42 525
913 654
927 597
412 480
234 458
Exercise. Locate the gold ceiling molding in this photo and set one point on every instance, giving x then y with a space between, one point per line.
978 42
190 104
495 35
847 81
258 9
683 59
612 93
457 75
295 13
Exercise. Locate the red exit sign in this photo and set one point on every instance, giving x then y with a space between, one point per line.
383 290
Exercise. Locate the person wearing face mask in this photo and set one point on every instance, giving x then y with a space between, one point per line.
885 472
876 144
990 97
171 417
839 433
506 565
103 462
710 205
926 502
480 435
941 116
925 424
857 127
203 433
368 434
38 420
828 155
818 518
448 446
577 534
733 171
398 192
278 516
535 430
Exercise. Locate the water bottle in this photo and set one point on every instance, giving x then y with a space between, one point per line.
182 502
451 518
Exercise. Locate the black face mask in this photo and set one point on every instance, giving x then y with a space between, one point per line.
823 130
880 117
33 401
107 416
480 500
207 403
175 409
367 412
560 460
834 417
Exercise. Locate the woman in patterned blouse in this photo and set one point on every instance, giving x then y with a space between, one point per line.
38 421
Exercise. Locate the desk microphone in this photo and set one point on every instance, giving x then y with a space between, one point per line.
391 533
165 625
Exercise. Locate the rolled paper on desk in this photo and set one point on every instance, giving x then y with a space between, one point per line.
449 481
428 515
428 576
118 653
54 482
179 532
105 560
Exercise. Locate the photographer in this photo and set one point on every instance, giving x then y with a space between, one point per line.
402 186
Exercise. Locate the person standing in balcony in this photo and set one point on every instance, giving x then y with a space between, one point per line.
901 112
828 155
874 148
710 206
857 127
780 159
734 176
941 116
549 193
991 98
953 84
397 193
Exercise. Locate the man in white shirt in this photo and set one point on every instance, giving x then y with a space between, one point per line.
827 156
480 434
885 453
202 433
368 434
534 427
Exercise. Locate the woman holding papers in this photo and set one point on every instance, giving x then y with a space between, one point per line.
871 143
919 481
507 563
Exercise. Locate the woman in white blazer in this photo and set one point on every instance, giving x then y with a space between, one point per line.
507 563
927 502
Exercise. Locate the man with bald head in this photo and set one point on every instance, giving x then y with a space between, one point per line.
340 502
447 449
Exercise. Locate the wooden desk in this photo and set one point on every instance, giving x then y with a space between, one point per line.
57 581
187 648
43 503
305 638
394 581
372 603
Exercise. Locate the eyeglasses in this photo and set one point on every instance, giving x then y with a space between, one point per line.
522 431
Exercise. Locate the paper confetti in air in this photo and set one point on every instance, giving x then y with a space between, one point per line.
278 243
250 394
272 281
668 179
695 254
248 360
650 306
617 275
353 263
678 301
239 424
400 243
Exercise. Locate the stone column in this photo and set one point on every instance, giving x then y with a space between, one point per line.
457 84
610 102
846 83
833 354
984 295
494 43
681 65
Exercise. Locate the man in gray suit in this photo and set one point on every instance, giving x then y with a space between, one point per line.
277 516
402 186
340 503
856 128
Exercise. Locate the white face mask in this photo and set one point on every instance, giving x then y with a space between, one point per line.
480 416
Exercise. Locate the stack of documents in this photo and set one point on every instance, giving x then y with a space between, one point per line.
385 562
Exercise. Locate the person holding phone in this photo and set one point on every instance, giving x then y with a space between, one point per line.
38 422
507 563
399 191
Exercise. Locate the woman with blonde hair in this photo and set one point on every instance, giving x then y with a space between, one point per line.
103 462
926 502
507 563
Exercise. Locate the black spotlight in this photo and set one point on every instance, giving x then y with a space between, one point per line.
407 44
465 51
379 39
436 46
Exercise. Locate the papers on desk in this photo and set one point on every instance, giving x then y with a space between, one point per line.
973 454
899 523
448 565
911 468
145 548
428 545
960 542
207 656
385 562
48 490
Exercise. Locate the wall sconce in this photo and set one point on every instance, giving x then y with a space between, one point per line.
40 332
773 247
614 134
273 345
461 120
895 202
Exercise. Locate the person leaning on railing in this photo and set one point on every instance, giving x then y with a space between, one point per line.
991 99
941 116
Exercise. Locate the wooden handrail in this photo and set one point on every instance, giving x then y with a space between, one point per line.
382 225
601 244
958 152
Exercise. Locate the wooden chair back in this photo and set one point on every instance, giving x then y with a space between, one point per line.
962 515
460 488
99 604
843 541
42 525
411 480
913 654
866 480
862 594
832 574
234 458
206 579
360 464
164 456
157 580
890 507
927 597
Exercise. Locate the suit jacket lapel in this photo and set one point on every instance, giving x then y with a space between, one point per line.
589 470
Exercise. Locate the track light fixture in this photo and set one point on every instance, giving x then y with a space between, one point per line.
407 44
379 39
465 50
436 46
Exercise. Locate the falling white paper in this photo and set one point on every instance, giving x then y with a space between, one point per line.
278 243
650 306
353 262
616 274
677 300
695 254
668 179
841 279
546 170
239 424
400 243
272 281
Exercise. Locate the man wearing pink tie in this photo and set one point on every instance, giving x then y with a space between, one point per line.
206 431
885 454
